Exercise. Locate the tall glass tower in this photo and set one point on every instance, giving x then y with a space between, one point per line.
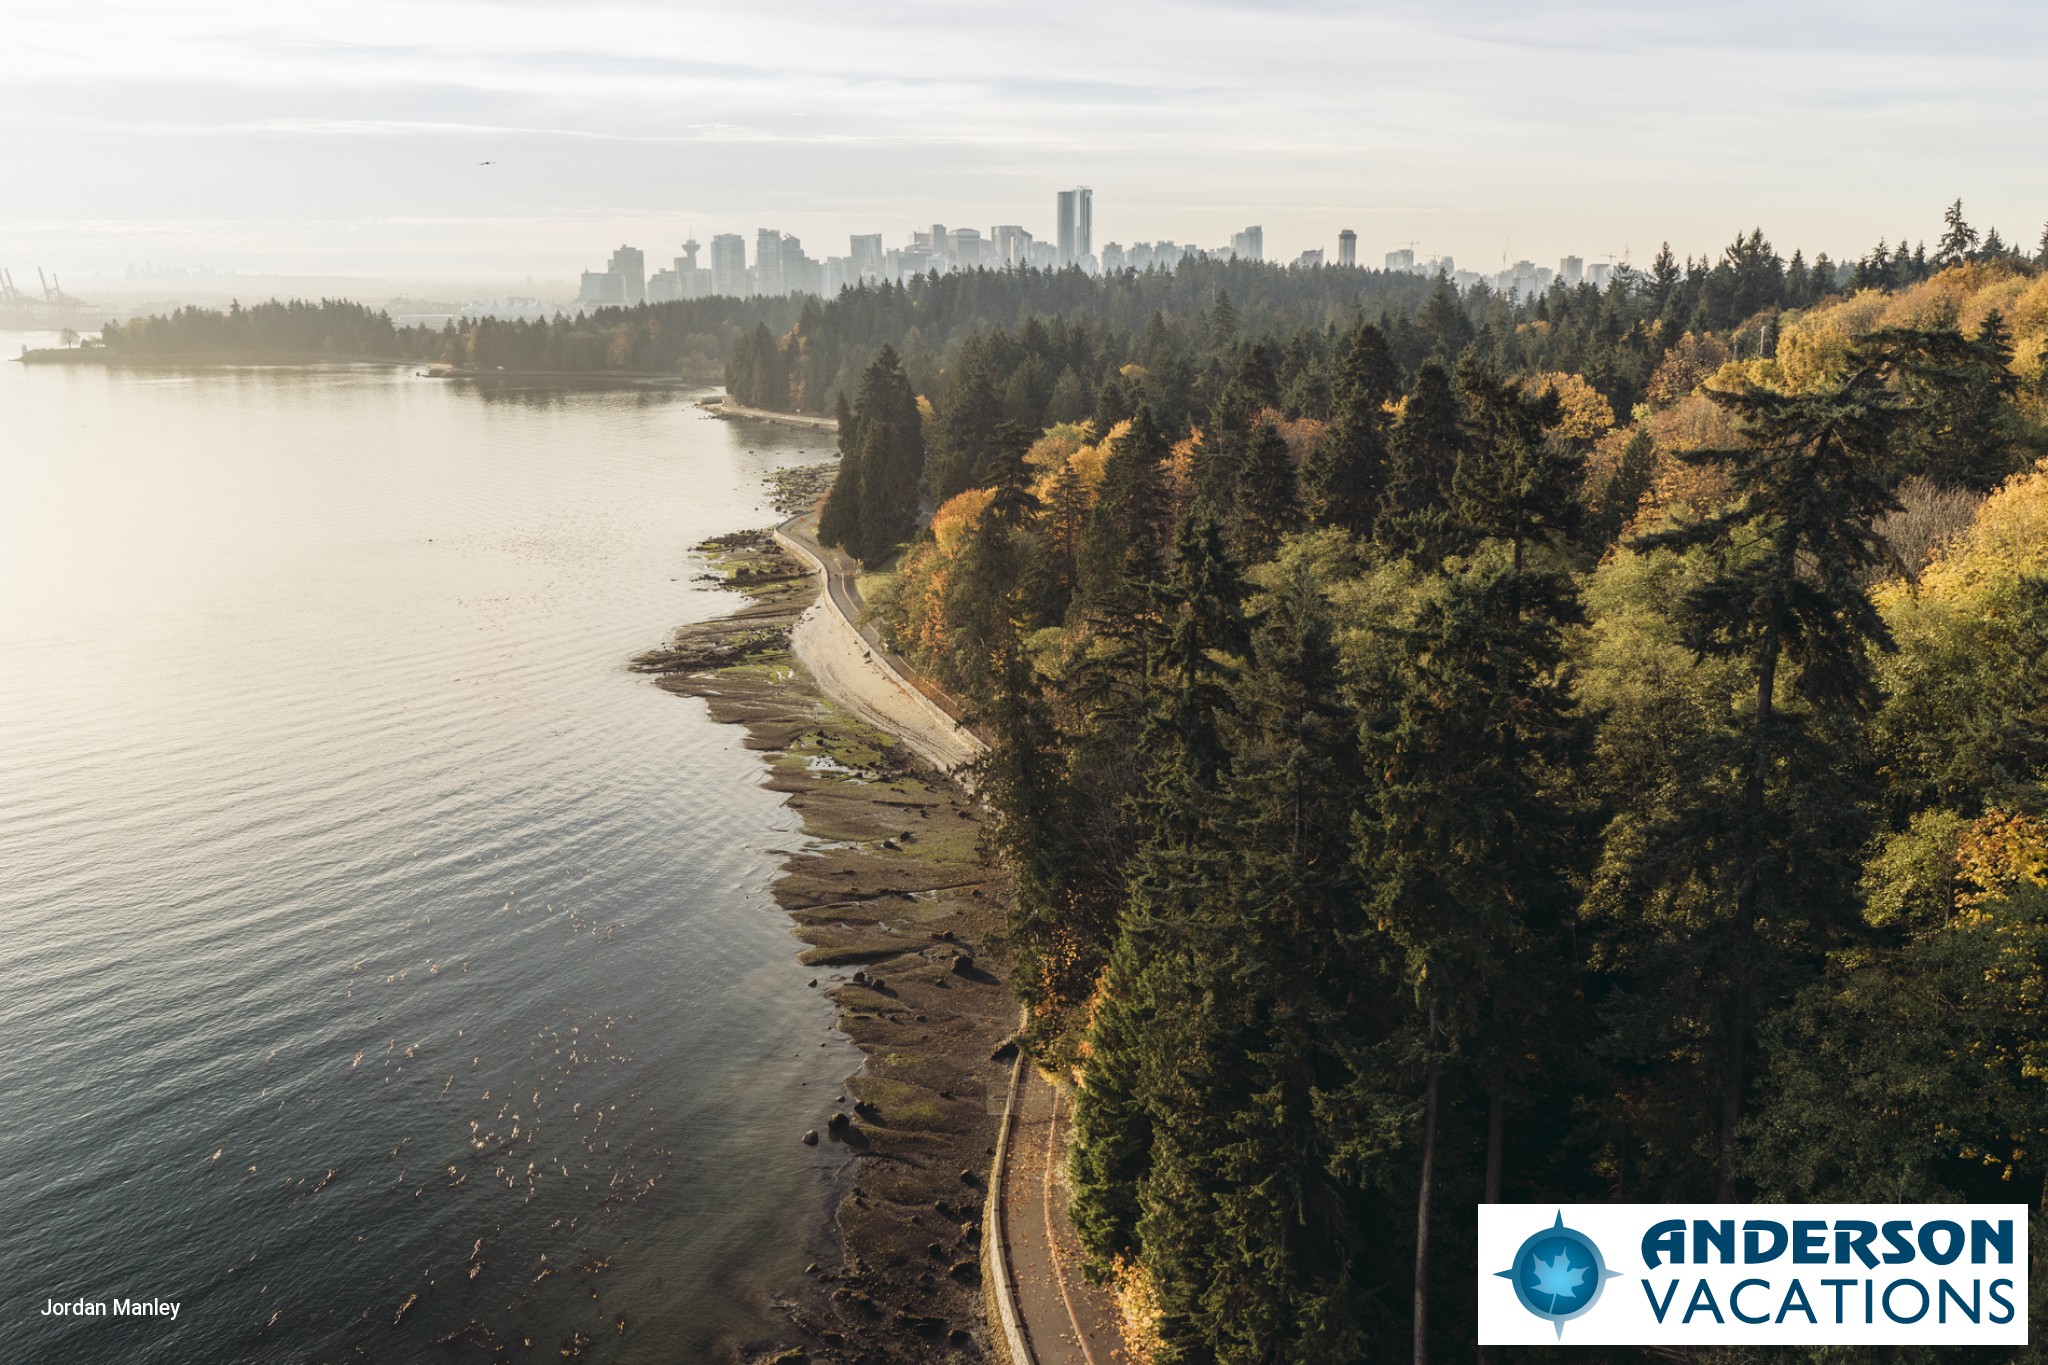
1076 224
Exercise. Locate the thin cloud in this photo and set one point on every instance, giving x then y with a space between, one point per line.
1559 126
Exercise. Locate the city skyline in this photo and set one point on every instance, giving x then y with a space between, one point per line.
268 139
782 266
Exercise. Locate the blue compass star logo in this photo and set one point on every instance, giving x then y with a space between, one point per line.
1558 1274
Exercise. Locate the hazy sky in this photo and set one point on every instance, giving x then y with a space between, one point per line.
344 138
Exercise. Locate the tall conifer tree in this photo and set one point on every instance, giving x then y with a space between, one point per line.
1792 552
1345 479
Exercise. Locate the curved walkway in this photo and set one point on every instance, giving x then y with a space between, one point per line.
850 663
1061 1318
1066 1320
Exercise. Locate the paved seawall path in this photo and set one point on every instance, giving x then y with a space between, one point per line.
1066 1320
851 664
1061 1318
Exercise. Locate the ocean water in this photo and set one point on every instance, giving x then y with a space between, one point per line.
381 964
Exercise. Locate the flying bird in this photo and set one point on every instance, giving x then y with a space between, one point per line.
486 163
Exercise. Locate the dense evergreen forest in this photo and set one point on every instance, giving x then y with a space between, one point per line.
1584 748
665 339
331 327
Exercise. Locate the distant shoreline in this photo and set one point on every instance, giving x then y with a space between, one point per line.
101 355
202 360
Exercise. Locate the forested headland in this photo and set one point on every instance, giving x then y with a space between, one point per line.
1583 748
788 353
671 339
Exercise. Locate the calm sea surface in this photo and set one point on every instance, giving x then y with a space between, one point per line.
366 931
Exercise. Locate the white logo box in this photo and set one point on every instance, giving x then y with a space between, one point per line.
1958 1258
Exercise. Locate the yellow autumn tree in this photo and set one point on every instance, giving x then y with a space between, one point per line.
1684 368
1586 411
1813 346
1064 449
1972 636
927 574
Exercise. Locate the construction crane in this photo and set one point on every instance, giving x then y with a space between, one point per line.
53 291
51 308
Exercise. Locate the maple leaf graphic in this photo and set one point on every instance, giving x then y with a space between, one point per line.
1557 1278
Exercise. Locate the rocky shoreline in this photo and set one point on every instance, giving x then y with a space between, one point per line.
903 925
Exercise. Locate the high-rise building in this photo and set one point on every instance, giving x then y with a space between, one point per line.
599 289
729 265
630 265
965 246
1402 260
1571 270
1076 218
800 274
904 262
693 281
866 255
1249 245
1525 278
1012 244
768 263
1309 259
1347 248
1113 258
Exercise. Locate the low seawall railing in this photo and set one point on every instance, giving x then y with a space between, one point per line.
1011 1341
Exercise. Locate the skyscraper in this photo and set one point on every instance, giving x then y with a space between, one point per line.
1347 247
1249 245
1076 224
693 280
630 265
729 265
867 255
599 288
800 274
768 263
1012 244
965 245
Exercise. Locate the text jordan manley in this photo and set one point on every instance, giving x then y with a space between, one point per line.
118 1308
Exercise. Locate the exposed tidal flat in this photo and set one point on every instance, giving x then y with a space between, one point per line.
382 963
904 924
